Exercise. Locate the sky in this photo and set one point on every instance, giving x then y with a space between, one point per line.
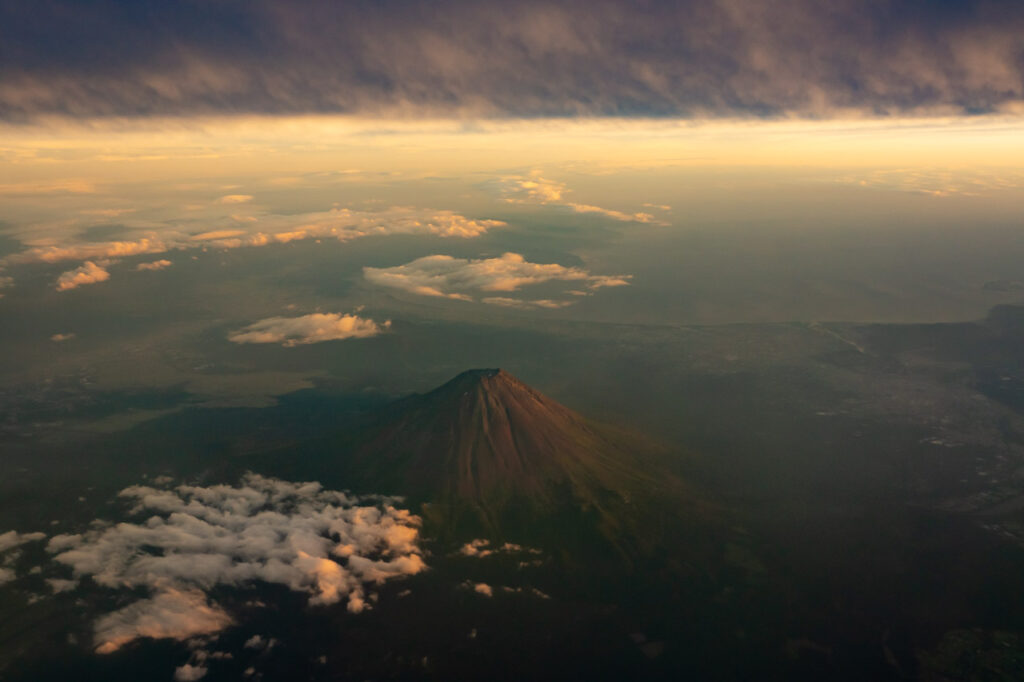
219 175
408 59
215 203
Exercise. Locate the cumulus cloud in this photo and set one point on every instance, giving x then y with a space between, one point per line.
535 189
12 539
332 546
313 328
189 673
459 278
154 265
88 273
172 614
7 575
482 588
530 58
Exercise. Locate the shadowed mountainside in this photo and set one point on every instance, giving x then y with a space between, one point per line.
485 454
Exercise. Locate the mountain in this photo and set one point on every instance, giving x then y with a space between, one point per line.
485 453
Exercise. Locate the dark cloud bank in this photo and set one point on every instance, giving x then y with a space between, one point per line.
691 58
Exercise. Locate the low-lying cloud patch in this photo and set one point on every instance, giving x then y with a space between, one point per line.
189 540
341 224
261 230
313 328
482 547
535 189
12 539
155 265
88 273
460 278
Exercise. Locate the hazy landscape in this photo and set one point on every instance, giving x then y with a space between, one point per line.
511 341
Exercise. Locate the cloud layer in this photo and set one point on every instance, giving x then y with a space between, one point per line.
263 230
314 328
524 58
191 539
460 278
340 224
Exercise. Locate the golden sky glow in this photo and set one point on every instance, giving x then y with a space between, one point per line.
77 155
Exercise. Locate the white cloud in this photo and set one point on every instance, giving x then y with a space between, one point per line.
189 673
172 614
7 575
12 539
313 328
458 278
341 224
535 189
329 545
60 338
235 199
481 548
59 585
258 642
262 230
51 253
88 273
155 265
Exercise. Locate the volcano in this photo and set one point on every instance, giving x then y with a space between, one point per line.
488 454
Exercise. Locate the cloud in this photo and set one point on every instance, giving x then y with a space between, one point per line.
59 585
480 588
481 548
216 234
88 273
155 265
313 328
12 539
534 189
172 614
89 251
235 199
60 338
332 546
259 642
458 278
526 305
7 575
189 673
341 224
688 58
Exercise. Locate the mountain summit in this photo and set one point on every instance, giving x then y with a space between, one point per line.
487 450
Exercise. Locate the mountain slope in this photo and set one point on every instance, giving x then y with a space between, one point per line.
489 454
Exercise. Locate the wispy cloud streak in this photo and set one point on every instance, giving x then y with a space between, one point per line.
531 58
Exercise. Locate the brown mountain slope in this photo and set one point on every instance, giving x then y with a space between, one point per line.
487 450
